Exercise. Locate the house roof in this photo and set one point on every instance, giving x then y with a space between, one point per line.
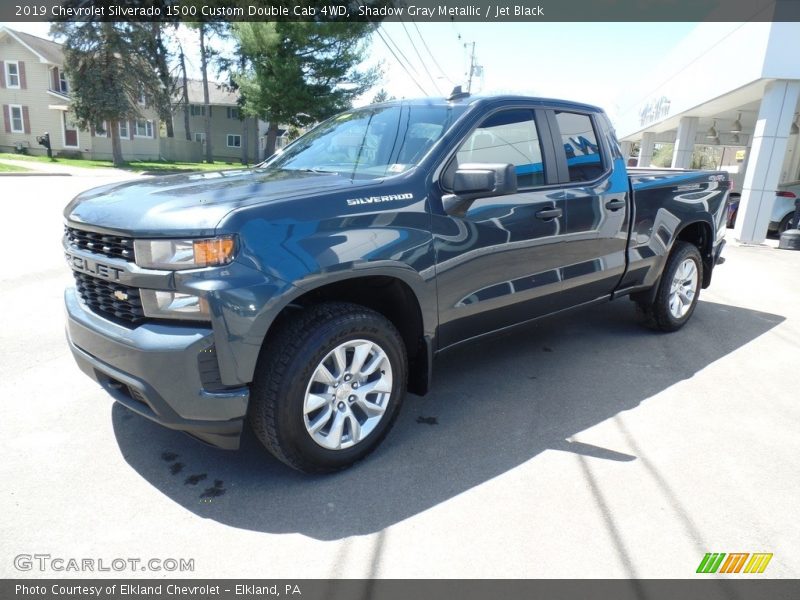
217 93
48 51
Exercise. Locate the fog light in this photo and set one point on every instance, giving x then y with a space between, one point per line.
174 305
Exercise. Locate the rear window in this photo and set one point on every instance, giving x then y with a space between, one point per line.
584 160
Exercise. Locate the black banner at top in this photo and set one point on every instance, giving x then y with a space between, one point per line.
420 11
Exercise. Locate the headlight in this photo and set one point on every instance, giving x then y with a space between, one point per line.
174 255
174 305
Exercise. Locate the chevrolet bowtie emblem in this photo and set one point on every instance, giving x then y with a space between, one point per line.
120 295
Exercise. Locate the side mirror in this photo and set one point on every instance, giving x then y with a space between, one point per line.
479 180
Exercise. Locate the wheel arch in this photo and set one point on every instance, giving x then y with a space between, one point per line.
398 294
700 234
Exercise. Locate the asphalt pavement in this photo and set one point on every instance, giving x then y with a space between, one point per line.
581 446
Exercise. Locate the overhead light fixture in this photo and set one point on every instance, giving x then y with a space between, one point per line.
737 125
712 131
795 129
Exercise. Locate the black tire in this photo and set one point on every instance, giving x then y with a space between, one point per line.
286 366
657 315
785 223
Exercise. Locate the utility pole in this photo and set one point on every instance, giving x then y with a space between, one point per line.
185 97
206 104
471 68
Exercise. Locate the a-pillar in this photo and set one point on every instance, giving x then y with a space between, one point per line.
766 160
684 143
646 149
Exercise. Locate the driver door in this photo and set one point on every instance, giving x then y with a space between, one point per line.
497 261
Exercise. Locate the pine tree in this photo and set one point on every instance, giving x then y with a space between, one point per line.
107 75
303 72
150 38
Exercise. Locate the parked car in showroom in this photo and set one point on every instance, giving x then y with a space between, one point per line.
782 209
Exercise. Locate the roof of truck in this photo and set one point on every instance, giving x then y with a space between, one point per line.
469 100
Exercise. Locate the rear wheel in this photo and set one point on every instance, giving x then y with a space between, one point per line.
328 387
678 290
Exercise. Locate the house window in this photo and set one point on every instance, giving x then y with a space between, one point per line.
123 129
143 129
101 129
198 110
12 74
62 82
17 123
233 112
234 141
200 136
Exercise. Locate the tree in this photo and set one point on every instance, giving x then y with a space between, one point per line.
107 72
381 96
150 38
300 73
204 31
662 157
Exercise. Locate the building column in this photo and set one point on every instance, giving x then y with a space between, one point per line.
625 148
766 160
684 143
646 149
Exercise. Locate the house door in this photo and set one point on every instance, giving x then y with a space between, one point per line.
70 132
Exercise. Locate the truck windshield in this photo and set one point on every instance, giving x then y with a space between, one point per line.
367 143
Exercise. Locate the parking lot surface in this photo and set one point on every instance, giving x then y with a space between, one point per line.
580 446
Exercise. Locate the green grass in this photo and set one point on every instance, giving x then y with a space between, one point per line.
139 166
12 169
156 167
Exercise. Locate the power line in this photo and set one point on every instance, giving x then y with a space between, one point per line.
422 89
433 58
419 56
377 30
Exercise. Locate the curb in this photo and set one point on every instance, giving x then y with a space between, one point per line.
34 174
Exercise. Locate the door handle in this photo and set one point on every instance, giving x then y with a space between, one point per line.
549 213
615 204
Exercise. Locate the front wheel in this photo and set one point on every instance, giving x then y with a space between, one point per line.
678 290
328 387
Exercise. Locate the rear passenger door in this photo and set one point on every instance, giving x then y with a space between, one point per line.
594 186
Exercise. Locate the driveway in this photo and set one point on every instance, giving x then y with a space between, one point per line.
582 446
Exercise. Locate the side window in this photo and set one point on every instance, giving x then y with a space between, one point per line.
507 137
580 145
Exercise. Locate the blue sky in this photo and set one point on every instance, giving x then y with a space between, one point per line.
589 62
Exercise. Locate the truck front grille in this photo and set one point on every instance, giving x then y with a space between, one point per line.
113 246
119 303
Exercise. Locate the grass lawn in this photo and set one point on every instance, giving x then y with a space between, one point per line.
155 167
11 169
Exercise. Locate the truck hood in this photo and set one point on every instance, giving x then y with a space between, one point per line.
192 204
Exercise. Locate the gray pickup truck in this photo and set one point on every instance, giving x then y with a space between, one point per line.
307 294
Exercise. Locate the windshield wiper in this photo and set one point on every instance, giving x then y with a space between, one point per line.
311 170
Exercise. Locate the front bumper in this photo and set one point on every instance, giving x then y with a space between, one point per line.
160 371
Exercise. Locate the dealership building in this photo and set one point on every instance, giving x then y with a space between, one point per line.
731 85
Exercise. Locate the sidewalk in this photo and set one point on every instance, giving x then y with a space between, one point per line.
54 168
